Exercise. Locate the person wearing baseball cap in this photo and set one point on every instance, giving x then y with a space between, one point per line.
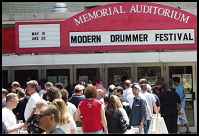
138 109
78 95
14 86
128 90
150 102
131 97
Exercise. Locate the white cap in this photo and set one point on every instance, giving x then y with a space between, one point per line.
4 90
137 86
15 83
112 86
79 87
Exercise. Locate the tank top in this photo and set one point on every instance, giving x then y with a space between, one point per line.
90 110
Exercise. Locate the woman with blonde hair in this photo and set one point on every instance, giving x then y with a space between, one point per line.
66 121
120 108
115 120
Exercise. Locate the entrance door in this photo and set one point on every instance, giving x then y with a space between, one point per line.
185 73
22 76
87 74
118 75
58 76
151 73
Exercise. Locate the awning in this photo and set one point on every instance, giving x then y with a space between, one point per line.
99 58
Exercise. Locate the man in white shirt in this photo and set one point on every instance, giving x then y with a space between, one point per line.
128 90
8 117
150 101
34 98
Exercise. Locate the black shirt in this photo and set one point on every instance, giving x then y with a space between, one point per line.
113 121
20 109
168 103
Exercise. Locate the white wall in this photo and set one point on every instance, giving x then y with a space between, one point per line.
103 58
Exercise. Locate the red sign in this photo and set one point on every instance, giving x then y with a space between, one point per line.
8 40
121 27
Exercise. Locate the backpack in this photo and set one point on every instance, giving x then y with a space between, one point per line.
140 102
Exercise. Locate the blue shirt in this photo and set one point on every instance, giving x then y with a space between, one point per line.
180 91
57 131
75 99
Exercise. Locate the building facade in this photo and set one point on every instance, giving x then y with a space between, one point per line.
110 42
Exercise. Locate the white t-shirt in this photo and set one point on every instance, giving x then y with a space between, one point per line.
31 104
9 119
68 126
71 108
126 93
124 114
42 92
130 99
150 101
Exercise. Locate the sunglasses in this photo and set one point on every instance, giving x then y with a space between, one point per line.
43 115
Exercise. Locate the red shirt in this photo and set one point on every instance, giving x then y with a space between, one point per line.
91 115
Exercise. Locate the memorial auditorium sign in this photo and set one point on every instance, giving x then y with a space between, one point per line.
132 9
120 27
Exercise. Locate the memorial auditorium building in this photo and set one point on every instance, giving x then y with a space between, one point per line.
106 41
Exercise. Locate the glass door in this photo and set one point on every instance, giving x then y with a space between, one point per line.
185 73
151 73
22 76
58 76
87 74
118 75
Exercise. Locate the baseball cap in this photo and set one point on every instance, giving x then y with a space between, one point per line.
143 81
79 87
136 86
15 83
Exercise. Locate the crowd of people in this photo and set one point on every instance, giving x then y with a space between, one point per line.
92 107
